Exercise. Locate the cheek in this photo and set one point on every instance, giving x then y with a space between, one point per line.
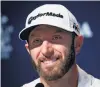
34 54
64 50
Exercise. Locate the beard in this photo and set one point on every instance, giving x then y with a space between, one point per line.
60 69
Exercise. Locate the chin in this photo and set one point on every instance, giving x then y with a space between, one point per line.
52 73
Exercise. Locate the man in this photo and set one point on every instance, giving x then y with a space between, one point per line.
53 40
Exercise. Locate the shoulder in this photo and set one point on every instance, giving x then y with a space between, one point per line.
87 80
32 84
96 82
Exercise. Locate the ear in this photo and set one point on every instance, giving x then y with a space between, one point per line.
78 43
27 47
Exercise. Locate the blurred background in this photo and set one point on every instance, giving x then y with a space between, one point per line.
16 66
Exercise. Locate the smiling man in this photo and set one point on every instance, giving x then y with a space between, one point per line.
53 40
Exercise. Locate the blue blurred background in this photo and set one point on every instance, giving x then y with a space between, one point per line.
16 66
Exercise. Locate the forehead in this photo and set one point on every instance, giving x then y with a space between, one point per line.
46 29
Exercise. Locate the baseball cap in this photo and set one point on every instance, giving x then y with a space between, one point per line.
50 14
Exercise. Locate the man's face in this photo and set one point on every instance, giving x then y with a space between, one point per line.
50 49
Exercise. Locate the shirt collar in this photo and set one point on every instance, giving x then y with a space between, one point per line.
84 79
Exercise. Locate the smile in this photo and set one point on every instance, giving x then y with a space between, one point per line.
50 62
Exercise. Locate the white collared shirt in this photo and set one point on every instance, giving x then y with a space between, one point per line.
87 80
84 80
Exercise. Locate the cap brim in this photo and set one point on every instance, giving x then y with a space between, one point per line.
23 35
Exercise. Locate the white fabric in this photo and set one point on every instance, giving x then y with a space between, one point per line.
87 80
84 80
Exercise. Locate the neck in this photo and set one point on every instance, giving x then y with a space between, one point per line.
70 79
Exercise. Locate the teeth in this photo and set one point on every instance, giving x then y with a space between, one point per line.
54 59
50 61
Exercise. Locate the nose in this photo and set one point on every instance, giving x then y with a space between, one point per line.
47 49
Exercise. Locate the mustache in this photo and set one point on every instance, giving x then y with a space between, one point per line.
44 58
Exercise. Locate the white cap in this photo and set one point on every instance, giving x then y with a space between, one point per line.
50 14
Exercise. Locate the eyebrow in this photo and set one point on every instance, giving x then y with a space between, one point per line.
60 30
32 35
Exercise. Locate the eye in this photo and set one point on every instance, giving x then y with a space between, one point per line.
37 42
57 37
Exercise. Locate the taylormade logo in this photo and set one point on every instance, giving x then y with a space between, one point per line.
44 14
